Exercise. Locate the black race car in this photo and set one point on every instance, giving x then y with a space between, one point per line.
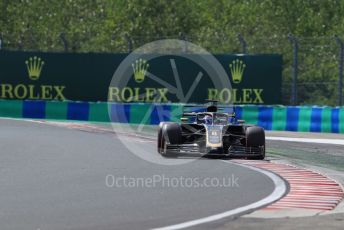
211 132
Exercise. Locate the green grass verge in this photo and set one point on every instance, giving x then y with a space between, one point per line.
309 157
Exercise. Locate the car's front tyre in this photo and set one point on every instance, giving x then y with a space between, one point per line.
255 137
170 134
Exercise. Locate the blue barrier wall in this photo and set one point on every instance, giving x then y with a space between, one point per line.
290 118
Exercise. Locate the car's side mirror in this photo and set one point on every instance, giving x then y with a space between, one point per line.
241 121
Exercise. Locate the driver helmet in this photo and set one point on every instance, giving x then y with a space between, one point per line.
208 120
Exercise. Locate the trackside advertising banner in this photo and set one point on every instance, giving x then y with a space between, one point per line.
255 79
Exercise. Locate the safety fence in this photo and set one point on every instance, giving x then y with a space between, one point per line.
288 118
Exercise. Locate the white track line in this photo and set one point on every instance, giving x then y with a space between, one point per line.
279 191
308 140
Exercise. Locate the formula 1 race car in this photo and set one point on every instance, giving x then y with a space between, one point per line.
210 132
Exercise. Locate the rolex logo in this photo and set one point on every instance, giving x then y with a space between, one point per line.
140 68
237 68
34 67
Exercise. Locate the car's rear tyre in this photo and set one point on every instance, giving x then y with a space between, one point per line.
170 134
255 137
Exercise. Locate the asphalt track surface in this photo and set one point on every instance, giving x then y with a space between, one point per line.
55 178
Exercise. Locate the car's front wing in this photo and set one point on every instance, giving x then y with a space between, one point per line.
233 150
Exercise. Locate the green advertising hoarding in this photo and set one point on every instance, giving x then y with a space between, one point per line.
254 79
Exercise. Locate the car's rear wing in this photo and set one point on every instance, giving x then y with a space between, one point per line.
192 114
